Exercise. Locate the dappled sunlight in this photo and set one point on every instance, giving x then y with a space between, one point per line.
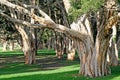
60 70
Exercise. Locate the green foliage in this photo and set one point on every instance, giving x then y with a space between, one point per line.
76 4
78 8
8 31
118 1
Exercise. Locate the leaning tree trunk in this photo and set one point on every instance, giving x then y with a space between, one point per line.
112 56
28 47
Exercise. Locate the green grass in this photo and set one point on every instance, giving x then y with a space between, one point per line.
46 52
20 71
42 70
19 52
17 74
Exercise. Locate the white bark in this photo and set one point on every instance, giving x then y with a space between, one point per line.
67 5
5 45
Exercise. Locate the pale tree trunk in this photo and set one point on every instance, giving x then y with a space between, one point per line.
67 5
112 56
58 48
32 34
118 43
11 46
49 42
92 54
71 50
5 42
26 47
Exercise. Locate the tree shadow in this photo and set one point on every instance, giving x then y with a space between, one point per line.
43 63
64 75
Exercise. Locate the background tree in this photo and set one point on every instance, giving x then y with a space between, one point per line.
8 34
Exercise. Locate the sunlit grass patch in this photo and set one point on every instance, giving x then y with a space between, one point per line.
17 70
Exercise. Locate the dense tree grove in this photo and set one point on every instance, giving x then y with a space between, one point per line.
89 25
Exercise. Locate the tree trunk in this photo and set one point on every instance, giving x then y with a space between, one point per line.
26 47
11 46
59 48
92 53
5 45
67 5
71 50
28 52
113 50
33 38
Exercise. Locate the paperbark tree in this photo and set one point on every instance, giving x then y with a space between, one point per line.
92 50
28 36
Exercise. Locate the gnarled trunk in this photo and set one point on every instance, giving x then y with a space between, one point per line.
92 50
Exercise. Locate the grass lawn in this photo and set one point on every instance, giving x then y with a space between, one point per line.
48 67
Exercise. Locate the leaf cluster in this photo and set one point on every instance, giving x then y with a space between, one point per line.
79 7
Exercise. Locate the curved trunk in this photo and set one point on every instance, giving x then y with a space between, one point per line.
28 49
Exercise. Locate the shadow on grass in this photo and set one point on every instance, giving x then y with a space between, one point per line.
11 53
43 64
48 67
56 75
20 71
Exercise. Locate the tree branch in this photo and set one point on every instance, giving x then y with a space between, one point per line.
45 22
22 22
